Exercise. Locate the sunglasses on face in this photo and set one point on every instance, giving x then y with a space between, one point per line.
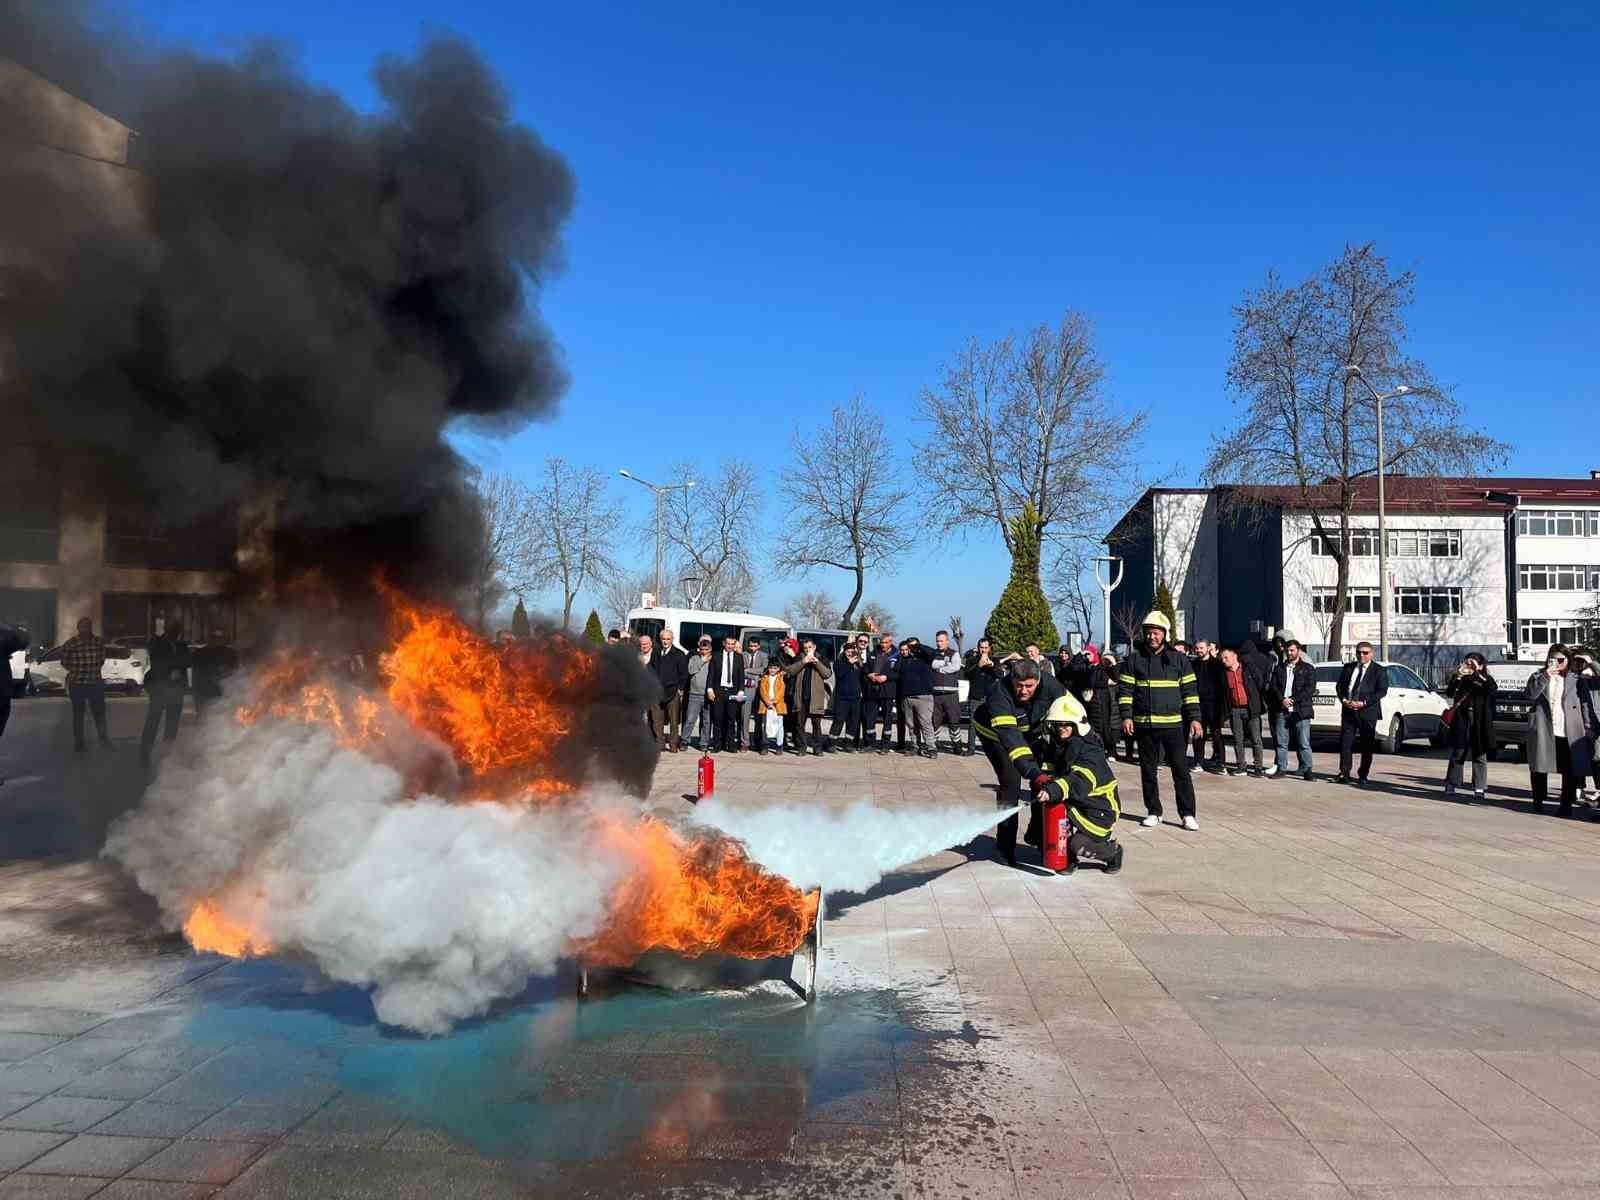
1558 660
1365 653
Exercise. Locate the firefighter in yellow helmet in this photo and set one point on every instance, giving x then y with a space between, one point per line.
1160 702
1078 775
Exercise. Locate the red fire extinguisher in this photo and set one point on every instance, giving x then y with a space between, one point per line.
1057 831
706 777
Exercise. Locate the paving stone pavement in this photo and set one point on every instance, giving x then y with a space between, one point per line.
1324 993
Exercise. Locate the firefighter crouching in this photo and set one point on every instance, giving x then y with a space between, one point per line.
1008 724
1075 773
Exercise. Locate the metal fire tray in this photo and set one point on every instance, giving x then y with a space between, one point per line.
803 982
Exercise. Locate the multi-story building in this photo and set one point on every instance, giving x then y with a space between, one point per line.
70 545
1505 566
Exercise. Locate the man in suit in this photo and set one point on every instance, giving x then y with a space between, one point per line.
671 667
724 686
1292 701
1362 686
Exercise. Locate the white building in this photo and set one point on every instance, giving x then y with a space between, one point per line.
1504 566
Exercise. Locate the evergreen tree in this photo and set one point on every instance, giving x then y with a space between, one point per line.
592 630
1165 605
519 621
1022 615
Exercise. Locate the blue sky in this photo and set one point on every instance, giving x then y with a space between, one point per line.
780 207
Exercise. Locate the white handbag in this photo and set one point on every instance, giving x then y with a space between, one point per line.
774 725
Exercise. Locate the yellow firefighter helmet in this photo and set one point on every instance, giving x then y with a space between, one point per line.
1157 618
1066 711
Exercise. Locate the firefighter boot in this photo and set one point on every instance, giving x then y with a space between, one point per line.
1113 857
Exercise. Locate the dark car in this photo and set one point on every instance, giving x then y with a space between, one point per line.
1511 705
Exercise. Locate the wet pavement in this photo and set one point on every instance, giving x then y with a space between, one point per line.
1324 993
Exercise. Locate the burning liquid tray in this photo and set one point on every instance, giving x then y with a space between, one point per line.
662 969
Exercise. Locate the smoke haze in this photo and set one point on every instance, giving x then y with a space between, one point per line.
304 296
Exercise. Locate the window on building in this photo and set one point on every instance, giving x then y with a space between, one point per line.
30 506
1558 522
1577 577
1425 543
139 535
35 610
1427 601
1549 633
1358 600
138 616
1363 543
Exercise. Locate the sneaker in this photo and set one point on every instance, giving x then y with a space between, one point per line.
1254 772
1480 797
1344 779
1151 821
1271 771
1231 771
1191 824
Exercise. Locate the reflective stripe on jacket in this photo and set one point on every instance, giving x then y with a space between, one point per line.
1014 726
1157 690
1089 785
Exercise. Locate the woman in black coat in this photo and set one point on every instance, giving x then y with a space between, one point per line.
1471 733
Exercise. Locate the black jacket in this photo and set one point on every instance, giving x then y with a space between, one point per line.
1157 691
846 681
714 674
1374 687
1013 729
916 673
212 664
884 664
979 679
1257 663
672 671
1224 696
1472 727
1082 778
169 661
1207 671
1305 689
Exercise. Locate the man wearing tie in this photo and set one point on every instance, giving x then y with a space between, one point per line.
724 686
1362 687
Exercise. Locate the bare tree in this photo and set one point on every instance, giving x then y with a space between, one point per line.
813 610
1066 593
710 530
847 507
1308 428
621 591
573 527
1025 420
501 566
1129 618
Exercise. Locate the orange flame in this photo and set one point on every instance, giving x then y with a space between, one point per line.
502 709
210 929
697 897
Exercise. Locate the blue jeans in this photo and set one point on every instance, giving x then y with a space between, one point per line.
697 721
1298 728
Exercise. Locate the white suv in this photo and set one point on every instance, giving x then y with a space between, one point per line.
1410 710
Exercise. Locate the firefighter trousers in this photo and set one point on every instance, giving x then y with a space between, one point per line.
1009 794
1175 741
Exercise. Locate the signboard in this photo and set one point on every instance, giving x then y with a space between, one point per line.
647 600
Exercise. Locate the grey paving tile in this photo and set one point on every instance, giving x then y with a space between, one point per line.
146 1118
48 1187
19 1148
34 1076
192 1161
151 1189
1358 1163
10 1102
1272 1159
16 1046
300 1172
119 1083
96 1154
59 1022
1166 1156
63 1114
252 1123
91 1053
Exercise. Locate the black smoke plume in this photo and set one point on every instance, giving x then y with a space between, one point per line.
305 297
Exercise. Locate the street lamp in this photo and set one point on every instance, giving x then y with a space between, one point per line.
1383 536
1113 563
660 489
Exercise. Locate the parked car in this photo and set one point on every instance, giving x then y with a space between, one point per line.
124 669
1410 711
1511 705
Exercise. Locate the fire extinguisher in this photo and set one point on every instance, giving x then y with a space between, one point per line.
1057 832
706 777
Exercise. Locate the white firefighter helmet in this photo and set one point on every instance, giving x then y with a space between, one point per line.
1157 618
1066 711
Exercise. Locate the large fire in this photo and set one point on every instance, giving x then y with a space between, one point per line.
501 708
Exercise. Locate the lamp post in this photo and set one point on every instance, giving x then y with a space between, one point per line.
1113 562
660 489
1383 536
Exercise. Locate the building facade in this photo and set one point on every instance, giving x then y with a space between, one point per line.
66 549
1504 566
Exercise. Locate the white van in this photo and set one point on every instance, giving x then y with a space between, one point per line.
688 624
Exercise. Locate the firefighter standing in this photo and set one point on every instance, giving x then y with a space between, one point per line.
1077 773
1008 722
1160 699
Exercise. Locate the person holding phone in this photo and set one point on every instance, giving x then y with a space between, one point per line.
1561 728
1471 725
